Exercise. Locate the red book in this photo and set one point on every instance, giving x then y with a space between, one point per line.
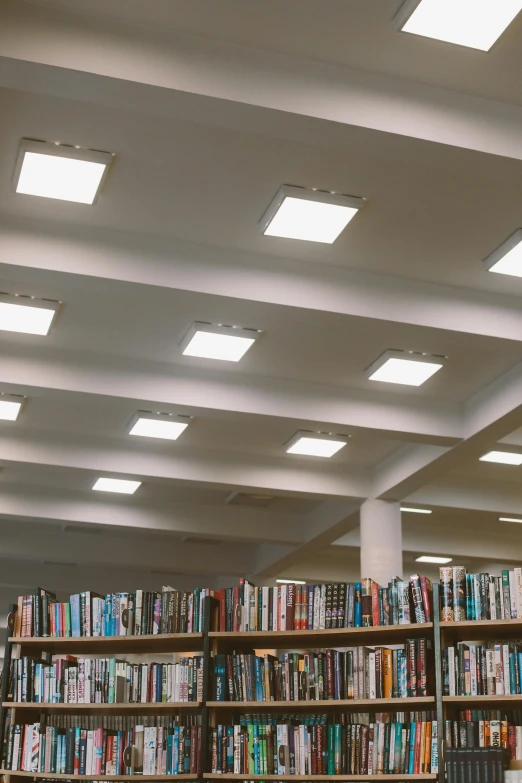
222 611
98 743
53 621
193 749
198 753
427 597
416 762
376 614
279 608
319 750
109 769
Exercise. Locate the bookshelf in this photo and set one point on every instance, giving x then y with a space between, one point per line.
211 643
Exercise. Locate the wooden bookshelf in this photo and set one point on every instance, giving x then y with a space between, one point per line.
511 701
138 708
480 629
158 643
326 705
338 637
54 776
248 776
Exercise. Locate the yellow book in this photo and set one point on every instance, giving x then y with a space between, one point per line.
387 670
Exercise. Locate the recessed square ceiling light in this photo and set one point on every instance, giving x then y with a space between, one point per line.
122 486
10 406
290 582
312 215
26 314
158 425
473 23
316 444
60 171
215 341
507 258
509 519
502 457
404 367
416 510
433 559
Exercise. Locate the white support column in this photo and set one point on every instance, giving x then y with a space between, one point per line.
381 540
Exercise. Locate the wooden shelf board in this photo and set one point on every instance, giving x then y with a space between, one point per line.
516 697
137 708
248 776
339 636
54 776
320 706
471 624
164 642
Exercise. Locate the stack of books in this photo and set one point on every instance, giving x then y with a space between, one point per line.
356 673
480 596
138 613
71 680
486 728
96 745
316 747
492 669
292 607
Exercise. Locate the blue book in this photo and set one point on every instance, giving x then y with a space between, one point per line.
257 770
259 678
520 672
75 615
169 752
230 746
175 751
357 609
398 749
411 763
512 674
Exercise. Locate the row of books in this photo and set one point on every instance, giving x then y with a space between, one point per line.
477 765
493 669
480 596
87 613
323 606
260 748
71 680
157 749
356 673
498 730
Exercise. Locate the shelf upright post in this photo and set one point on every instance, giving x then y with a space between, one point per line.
4 684
438 679
210 606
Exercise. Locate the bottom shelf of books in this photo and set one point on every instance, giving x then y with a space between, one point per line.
104 747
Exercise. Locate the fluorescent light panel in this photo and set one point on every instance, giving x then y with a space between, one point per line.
502 457
433 559
158 425
60 171
122 486
10 406
313 444
507 258
290 582
509 519
473 23
416 510
225 343
311 215
404 367
26 314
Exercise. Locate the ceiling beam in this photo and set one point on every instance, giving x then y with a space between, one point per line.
101 255
205 467
98 62
226 523
302 405
482 493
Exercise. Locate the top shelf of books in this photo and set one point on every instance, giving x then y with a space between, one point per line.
158 643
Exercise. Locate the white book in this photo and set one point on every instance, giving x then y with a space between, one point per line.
492 600
501 592
473 669
513 593
26 753
264 609
518 743
518 586
476 590
152 750
89 753
494 733
283 607
322 608
482 734
237 751
434 748
505 660
275 608
302 763
499 671
490 672
451 672
391 759
317 607
371 676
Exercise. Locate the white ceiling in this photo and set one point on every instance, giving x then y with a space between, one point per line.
206 122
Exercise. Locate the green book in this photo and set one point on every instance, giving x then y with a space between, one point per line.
506 595
331 744
337 748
